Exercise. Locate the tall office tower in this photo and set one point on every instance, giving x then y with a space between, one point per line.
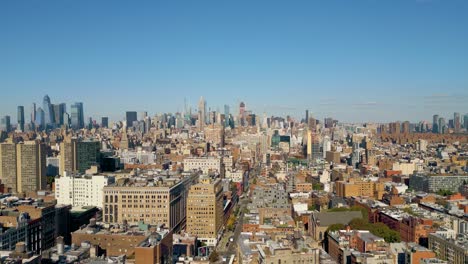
313 146
130 117
33 113
326 146
456 122
395 128
66 119
48 111
202 112
105 122
78 155
435 124
328 122
40 118
5 123
77 116
142 116
59 110
465 121
20 118
242 114
205 210
442 125
8 166
226 115
312 124
31 166
306 117
406 127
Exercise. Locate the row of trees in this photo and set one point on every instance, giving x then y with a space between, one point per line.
378 229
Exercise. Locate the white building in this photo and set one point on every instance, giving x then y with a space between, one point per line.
81 190
205 164
235 176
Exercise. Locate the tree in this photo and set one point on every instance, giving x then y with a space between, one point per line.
312 207
214 256
335 227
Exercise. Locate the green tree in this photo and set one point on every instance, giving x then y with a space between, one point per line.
214 256
335 227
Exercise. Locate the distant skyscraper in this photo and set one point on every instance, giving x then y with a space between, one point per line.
435 124
77 116
5 124
130 117
40 118
105 122
59 110
465 121
202 112
21 118
33 112
48 111
142 116
456 122
226 115
306 116
242 113
442 126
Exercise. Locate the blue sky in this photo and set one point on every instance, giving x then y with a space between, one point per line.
359 60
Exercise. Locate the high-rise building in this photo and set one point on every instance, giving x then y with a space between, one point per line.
465 121
442 125
435 124
33 112
40 118
456 122
313 146
242 114
20 118
78 155
105 122
31 166
406 127
306 117
5 124
205 210
143 115
48 111
59 110
130 117
77 116
202 112
226 115
8 166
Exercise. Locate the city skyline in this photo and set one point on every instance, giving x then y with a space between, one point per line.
194 108
399 60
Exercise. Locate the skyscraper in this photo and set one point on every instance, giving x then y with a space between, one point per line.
226 115
442 126
105 122
59 110
33 113
5 124
465 121
456 122
435 124
21 118
77 116
31 166
8 166
40 118
48 111
130 117
306 116
202 112
242 114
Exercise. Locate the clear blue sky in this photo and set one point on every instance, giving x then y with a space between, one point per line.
354 60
